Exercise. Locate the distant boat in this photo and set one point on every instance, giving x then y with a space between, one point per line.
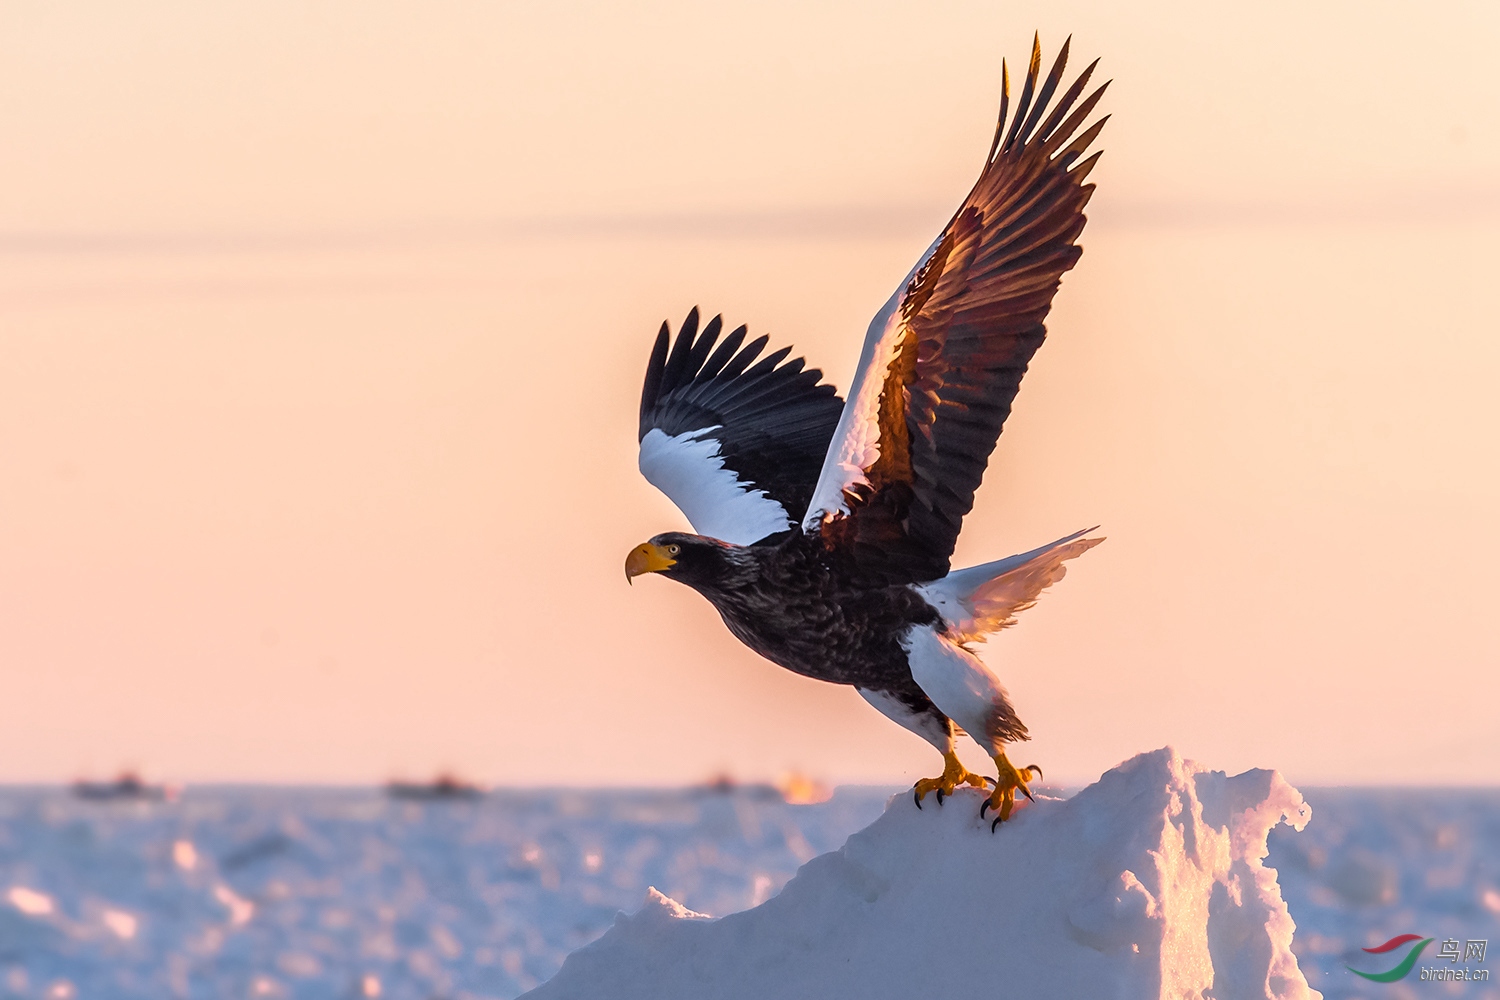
128 785
443 787
724 783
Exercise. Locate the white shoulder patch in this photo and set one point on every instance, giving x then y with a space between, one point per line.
688 468
856 439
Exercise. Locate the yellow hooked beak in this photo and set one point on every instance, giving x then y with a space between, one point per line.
647 558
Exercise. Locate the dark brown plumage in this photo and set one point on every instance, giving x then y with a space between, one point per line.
833 522
973 317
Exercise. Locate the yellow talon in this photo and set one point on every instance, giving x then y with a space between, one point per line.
1003 799
954 774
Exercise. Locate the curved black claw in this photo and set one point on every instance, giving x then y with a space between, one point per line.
1033 767
994 824
983 807
1027 792
940 796
916 796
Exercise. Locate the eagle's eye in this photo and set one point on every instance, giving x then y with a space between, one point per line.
672 550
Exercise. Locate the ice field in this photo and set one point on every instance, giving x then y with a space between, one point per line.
272 892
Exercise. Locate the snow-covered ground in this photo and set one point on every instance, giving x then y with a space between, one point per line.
345 893
1146 885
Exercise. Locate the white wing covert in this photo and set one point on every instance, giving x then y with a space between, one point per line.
734 439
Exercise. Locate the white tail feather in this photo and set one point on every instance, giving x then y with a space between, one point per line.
986 598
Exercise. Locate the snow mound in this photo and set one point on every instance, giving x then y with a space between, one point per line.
1148 883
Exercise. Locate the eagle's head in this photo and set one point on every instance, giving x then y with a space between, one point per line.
695 560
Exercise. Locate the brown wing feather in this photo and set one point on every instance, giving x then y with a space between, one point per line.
972 318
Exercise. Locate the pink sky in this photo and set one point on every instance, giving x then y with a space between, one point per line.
322 328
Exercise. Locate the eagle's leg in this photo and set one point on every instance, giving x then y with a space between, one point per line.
1003 799
954 774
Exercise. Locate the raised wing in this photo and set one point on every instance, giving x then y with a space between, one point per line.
734 439
944 358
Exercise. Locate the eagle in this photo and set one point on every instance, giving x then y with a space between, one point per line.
824 526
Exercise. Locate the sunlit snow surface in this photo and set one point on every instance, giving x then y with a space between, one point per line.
346 893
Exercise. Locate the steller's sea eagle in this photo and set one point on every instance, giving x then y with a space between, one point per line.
825 527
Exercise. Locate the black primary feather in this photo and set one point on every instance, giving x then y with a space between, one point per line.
773 418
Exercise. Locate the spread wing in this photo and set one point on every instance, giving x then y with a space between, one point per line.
944 358
734 439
